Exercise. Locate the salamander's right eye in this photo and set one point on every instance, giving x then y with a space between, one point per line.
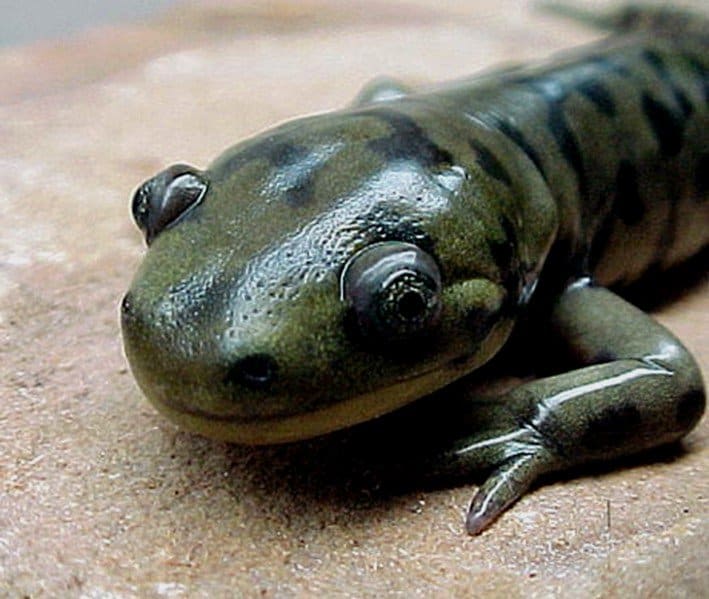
162 201
394 289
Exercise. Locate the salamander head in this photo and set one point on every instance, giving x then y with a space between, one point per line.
305 282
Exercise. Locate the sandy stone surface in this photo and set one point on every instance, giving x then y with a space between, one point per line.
101 497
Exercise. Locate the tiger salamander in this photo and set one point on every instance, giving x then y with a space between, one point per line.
340 266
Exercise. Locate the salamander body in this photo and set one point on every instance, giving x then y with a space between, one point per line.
340 266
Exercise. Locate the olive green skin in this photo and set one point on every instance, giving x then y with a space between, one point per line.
258 276
530 188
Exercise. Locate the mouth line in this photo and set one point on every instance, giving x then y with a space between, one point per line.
293 426
294 413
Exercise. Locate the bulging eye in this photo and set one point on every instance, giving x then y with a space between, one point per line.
161 201
394 289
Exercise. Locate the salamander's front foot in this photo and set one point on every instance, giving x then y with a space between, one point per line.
512 452
524 457
636 387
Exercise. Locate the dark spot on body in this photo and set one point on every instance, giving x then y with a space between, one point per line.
690 409
611 428
628 204
600 96
666 125
568 146
489 162
657 63
683 102
514 134
701 71
408 141
554 91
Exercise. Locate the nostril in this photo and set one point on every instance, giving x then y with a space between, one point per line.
256 371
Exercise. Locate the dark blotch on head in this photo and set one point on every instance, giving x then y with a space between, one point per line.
611 427
280 154
666 125
285 154
273 151
408 141
289 155
489 162
628 204
255 372
298 159
690 409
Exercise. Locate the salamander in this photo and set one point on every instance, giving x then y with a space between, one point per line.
340 266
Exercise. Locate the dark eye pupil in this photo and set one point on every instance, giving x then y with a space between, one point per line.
412 305
406 303
394 289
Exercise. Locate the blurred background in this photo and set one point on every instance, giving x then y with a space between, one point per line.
23 21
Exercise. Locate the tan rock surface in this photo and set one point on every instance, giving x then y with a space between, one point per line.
100 496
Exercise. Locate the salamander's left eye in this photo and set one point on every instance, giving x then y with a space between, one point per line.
394 289
161 201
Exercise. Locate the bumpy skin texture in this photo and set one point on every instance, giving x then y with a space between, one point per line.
340 266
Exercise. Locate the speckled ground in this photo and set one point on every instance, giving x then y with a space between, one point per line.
102 497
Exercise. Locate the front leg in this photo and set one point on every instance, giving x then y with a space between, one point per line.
638 387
